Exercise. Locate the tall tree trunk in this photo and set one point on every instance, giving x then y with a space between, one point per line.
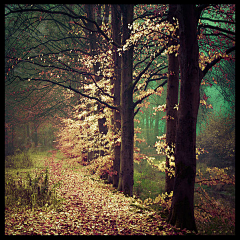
127 109
172 101
116 25
182 208
91 13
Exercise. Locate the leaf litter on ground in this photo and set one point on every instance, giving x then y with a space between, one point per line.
87 207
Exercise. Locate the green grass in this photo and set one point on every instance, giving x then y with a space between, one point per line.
27 180
148 182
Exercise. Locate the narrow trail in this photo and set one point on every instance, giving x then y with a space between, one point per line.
89 207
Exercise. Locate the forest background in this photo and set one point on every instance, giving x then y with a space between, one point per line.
76 76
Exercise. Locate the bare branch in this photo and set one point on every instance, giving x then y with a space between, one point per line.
218 28
74 90
216 20
146 68
83 18
140 100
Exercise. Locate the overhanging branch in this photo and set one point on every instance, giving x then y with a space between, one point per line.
146 68
214 62
83 18
76 91
140 100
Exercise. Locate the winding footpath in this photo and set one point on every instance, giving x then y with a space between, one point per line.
88 207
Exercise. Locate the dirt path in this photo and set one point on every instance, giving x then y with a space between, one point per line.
89 208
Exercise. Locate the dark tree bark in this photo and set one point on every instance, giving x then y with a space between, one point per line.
182 208
116 26
91 13
127 108
171 101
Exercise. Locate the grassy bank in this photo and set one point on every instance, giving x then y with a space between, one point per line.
148 181
28 181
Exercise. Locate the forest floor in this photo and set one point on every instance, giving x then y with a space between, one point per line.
87 207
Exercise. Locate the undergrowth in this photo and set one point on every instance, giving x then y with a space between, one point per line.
19 160
34 190
27 185
214 215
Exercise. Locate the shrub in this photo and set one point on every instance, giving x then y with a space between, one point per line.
33 190
102 166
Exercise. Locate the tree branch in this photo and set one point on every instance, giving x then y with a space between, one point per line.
99 88
146 68
140 100
218 28
83 18
100 31
219 34
217 20
76 91
214 62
